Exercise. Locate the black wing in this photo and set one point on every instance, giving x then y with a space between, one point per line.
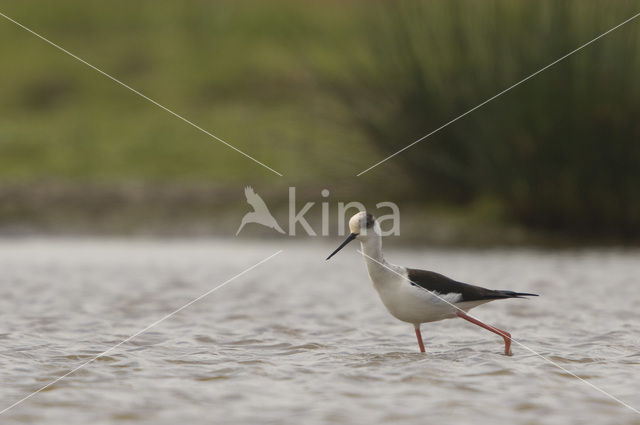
443 285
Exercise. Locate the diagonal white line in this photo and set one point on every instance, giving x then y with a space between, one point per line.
175 114
595 387
139 332
500 94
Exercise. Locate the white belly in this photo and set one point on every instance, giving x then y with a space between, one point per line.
416 305
411 303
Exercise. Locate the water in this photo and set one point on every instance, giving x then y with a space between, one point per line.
301 340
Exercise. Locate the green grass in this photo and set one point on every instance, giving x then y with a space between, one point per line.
322 90
243 72
560 152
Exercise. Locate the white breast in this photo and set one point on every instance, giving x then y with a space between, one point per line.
411 303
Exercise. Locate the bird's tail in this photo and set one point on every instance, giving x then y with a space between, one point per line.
511 294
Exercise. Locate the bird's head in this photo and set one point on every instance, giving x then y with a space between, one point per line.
362 224
362 227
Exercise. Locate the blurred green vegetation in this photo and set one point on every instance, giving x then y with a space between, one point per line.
320 91
235 69
561 152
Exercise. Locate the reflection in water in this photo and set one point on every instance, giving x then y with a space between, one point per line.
300 340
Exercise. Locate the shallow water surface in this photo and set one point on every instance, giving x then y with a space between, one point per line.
301 340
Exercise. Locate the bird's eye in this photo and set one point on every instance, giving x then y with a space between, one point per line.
370 221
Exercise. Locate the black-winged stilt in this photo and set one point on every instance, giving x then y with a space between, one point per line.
419 296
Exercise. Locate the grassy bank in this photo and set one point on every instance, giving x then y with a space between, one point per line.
241 71
320 91
558 153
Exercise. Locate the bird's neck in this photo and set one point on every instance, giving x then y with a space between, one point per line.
376 264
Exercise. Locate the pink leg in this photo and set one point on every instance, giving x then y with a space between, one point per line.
504 334
419 336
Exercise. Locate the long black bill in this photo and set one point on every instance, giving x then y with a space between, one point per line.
351 237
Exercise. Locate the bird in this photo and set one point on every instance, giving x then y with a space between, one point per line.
419 296
260 213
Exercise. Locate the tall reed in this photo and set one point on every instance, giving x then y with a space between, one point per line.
560 152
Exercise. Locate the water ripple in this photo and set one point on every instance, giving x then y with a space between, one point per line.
304 341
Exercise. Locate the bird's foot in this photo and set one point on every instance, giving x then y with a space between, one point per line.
507 343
